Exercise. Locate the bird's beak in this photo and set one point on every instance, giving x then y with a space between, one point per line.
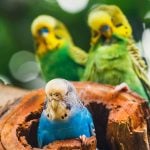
54 104
105 28
43 32
49 39
44 35
106 31
95 38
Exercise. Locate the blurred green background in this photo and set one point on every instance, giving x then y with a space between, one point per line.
17 62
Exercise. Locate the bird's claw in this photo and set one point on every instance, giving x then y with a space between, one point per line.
83 139
122 87
115 92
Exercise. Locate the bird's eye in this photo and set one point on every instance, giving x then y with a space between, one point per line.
43 30
119 24
105 28
58 37
50 94
56 94
67 93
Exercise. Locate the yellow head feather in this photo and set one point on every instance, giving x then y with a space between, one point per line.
40 22
55 36
122 26
98 19
112 16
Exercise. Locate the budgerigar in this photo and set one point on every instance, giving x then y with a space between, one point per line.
55 50
64 116
113 57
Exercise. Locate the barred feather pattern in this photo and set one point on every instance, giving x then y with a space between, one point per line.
139 65
134 51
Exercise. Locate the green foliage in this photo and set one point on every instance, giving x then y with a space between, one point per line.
7 46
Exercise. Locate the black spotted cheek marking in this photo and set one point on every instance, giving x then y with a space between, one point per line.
65 115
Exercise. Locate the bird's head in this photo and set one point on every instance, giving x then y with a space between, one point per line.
106 20
61 99
49 34
100 24
121 25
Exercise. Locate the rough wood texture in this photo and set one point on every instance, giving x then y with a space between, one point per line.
122 121
71 145
8 96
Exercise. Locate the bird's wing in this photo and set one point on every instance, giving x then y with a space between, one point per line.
78 55
40 131
145 48
139 66
44 130
40 140
92 129
90 122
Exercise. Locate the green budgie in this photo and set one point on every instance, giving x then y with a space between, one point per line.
113 57
57 54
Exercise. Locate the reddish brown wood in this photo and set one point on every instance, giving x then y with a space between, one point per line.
8 96
121 120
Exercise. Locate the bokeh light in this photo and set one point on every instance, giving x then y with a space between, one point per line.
73 6
147 16
146 41
23 66
146 47
35 83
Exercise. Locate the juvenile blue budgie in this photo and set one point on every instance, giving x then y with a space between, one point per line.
64 116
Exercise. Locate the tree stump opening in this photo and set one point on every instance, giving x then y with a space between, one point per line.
122 121
27 135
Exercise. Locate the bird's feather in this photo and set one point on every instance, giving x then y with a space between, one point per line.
139 66
113 57
57 54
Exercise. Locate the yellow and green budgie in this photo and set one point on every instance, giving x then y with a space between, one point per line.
55 50
113 57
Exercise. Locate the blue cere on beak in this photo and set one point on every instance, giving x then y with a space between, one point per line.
105 28
43 31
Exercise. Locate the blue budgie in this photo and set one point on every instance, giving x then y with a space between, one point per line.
64 116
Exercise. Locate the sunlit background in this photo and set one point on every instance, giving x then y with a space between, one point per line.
18 64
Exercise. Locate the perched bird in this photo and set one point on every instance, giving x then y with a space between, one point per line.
64 116
55 50
113 57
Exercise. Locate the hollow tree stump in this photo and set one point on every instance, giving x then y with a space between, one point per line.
122 121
